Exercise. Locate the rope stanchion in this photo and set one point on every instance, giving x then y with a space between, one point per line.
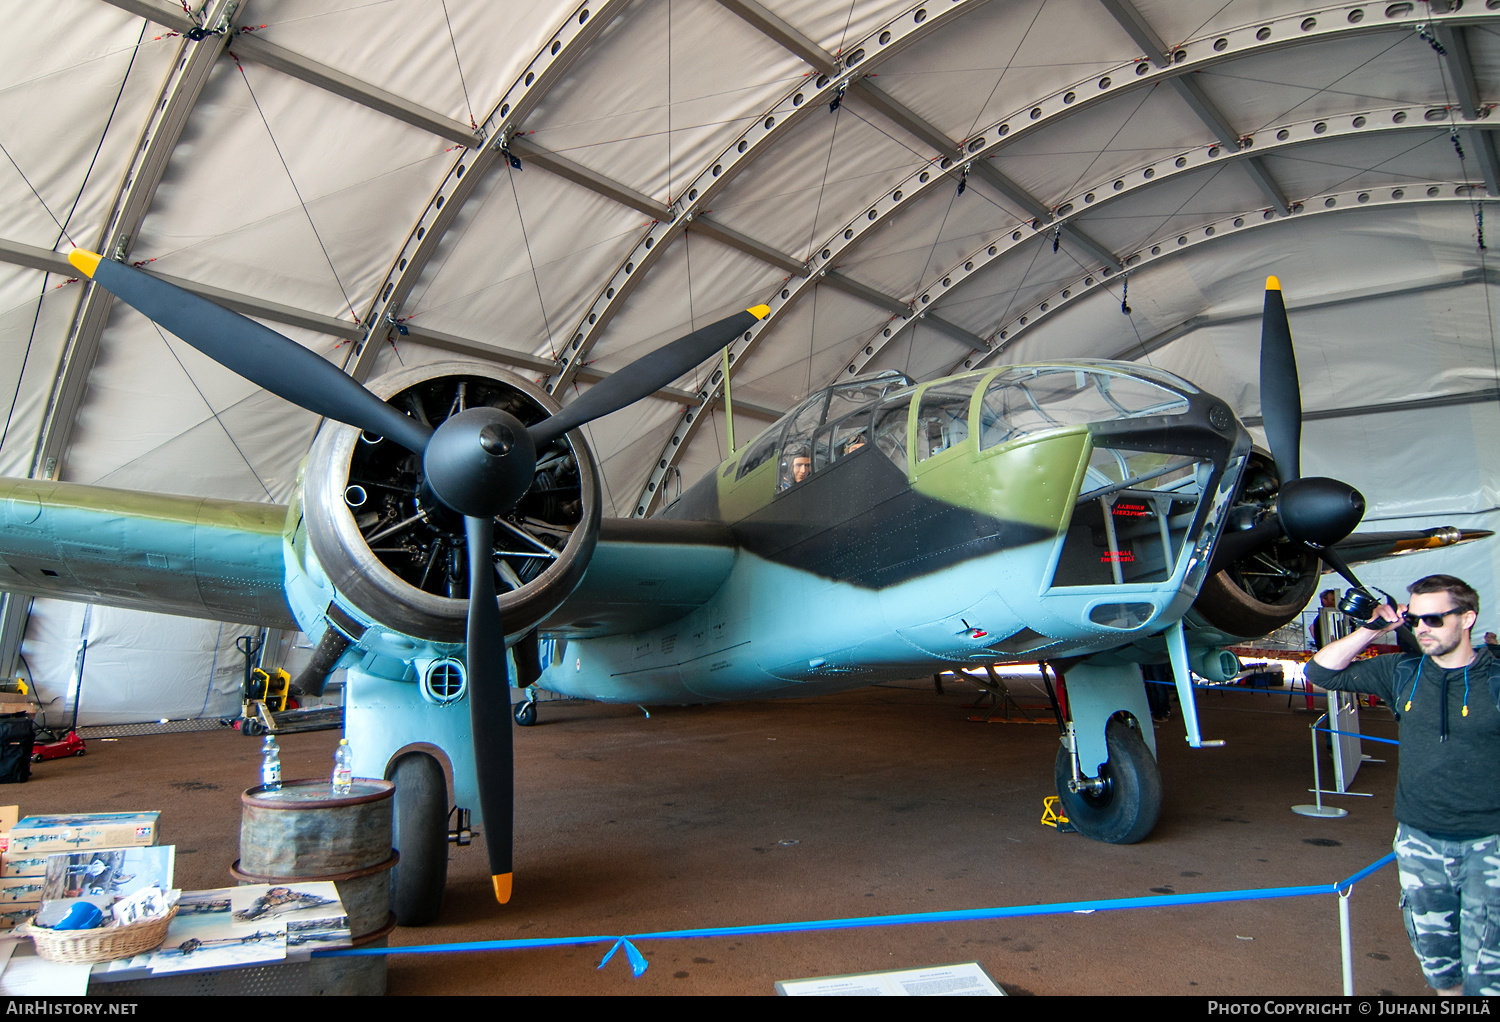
638 963
1319 810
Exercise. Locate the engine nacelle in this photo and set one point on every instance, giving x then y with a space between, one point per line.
1263 590
372 553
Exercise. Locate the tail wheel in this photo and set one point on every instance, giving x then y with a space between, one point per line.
1125 807
421 837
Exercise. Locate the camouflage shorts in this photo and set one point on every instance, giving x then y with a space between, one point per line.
1450 898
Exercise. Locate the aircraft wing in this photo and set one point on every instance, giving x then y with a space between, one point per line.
193 556
645 572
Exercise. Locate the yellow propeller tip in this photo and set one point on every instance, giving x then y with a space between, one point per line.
84 261
502 887
759 311
1272 284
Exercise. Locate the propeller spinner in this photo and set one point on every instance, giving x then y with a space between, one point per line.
479 464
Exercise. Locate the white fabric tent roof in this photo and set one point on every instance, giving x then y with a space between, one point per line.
335 168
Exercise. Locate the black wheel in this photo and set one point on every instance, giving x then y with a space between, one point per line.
36 757
421 836
250 727
1125 810
525 713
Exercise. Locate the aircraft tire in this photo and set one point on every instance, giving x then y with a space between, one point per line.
421 836
1127 810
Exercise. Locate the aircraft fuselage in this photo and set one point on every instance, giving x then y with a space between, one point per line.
967 520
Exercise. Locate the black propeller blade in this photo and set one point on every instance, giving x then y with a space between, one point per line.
259 354
646 375
479 463
1315 512
489 706
1280 394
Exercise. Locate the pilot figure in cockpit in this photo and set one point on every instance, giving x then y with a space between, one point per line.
796 465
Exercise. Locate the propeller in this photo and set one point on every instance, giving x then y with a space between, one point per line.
1314 512
478 463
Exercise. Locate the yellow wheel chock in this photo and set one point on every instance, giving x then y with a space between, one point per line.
1052 816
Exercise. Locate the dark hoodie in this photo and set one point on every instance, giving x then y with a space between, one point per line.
1447 782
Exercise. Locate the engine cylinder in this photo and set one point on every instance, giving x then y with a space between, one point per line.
402 563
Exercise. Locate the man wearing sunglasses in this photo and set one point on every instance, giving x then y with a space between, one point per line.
1447 800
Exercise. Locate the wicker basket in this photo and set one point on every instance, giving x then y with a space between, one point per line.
103 944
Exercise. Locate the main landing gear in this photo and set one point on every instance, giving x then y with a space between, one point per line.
421 837
1121 805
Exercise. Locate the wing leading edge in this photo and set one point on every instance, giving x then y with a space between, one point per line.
645 572
193 556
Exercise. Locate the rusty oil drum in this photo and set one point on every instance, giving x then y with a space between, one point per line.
302 831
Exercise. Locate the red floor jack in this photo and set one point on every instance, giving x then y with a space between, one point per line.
47 744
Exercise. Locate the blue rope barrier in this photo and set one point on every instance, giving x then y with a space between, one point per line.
1356 734
638 963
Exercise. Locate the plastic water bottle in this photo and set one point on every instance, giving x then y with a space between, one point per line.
270 764
343 768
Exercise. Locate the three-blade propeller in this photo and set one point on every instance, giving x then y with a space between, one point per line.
1313 512
479 463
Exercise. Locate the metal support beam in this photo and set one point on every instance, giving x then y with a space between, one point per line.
530 152
809 98
745 243
1409 194
773 27
169 114
990 175
1206 111
1095 194
1139 30
879 299
1489 276
909 120
1482 144
159 12
1468 397
987 172
54 262
1256 168
865 92
15 609
1193 94
954 331
547 67
253 47
17 254
1460 67
1042 113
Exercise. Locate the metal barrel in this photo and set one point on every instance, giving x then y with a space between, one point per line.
303 831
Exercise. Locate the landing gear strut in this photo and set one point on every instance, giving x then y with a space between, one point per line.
1121 805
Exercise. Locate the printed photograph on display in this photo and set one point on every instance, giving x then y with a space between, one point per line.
113 872
204 936
317 934
316 900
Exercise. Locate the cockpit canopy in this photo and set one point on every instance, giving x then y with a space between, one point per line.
1017 401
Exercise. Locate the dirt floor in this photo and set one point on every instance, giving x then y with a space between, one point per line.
880 801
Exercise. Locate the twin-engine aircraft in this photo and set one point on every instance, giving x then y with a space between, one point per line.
1092 515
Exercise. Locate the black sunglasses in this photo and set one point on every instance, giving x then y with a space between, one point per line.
1430 620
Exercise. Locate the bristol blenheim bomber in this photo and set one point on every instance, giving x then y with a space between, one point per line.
1089 515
